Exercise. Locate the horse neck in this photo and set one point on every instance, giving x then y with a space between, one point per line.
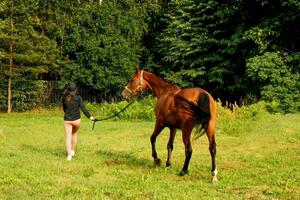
157 85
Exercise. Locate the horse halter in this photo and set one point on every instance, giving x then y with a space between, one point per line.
140 86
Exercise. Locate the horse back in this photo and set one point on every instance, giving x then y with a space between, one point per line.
172 107
200 102
200 96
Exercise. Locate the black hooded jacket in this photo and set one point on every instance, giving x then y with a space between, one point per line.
72 108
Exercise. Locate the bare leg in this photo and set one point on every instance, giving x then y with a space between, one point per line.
76 125
170 146
74 141
68 130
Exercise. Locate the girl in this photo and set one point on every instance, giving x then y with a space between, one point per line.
72 103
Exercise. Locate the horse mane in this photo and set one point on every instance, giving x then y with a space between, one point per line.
160 83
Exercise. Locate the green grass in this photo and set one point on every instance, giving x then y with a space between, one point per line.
114 161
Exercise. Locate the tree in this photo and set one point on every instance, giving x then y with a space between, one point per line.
104 43
94 43
275 66
200 47
211 43
31 56
10 68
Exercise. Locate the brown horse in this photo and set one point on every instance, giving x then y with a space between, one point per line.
177 108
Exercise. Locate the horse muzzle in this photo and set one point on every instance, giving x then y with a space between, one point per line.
126 95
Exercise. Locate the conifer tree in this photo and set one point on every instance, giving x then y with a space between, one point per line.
26 53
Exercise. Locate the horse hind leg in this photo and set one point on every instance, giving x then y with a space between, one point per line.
210 131
186 137
158 128
170 146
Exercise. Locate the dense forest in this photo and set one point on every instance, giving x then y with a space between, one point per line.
241 51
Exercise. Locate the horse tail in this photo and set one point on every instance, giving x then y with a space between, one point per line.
202 114
200 110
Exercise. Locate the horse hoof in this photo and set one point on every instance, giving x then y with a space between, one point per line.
168 165
183 173
157 161
214 179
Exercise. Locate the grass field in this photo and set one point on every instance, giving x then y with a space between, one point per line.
114 161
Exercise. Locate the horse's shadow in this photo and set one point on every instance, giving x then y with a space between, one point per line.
110 157
113 158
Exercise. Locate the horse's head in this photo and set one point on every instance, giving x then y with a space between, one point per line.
136 85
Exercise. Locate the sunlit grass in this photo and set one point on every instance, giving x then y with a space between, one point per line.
260 161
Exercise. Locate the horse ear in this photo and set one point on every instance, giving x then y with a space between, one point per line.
136 68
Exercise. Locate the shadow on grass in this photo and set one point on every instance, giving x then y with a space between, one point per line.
113 158
57 152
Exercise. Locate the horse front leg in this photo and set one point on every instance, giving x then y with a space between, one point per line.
158 128
186 134
170 146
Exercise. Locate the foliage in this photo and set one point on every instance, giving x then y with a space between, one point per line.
92 43
104 42
139 110
211 43
33 54
200 48
217 45
277 82
28 95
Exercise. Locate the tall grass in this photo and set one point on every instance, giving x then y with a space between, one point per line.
239 120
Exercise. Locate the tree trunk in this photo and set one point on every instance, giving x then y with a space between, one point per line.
10 67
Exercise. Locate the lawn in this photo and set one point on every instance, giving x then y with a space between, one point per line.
114 161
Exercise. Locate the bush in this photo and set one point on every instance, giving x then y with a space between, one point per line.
231 122
278 85
26 95
139 110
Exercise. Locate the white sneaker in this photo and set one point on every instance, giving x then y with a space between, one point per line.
72 153
69 157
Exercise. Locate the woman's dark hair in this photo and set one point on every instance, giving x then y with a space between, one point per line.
70 91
